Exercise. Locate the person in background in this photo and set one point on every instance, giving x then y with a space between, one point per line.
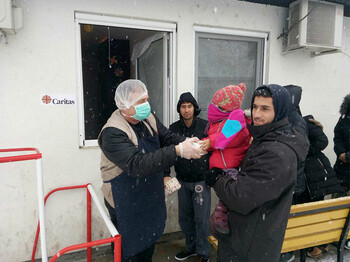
320 176
228 139
259 200
194 199
342 144
296 120
136 148
342 149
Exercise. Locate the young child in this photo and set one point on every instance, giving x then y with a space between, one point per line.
228 139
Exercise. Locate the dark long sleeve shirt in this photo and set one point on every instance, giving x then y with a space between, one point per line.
119 149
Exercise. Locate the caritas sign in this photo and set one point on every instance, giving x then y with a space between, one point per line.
58 99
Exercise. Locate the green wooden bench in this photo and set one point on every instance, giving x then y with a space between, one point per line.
313 224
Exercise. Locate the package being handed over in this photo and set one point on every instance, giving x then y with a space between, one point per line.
172 186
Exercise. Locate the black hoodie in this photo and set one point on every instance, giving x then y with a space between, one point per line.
297 121
188 97
259 201
281 100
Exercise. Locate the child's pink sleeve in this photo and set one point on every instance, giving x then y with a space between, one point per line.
233 125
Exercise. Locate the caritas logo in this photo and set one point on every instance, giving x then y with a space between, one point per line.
46 99
58 99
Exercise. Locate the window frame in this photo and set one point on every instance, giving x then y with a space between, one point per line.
131 23
230 34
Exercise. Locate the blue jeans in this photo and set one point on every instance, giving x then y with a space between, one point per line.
194 211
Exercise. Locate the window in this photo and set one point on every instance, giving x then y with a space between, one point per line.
111 50
225 57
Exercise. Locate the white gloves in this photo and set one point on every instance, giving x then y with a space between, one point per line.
188 150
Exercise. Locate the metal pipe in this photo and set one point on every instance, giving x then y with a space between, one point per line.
117 248
35 156
81 246
46 197
41 210
106 219
88 222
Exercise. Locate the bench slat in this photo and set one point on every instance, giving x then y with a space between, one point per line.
290 245
317 218
314 228
310 241
320 204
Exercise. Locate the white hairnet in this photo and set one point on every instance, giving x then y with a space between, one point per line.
129 92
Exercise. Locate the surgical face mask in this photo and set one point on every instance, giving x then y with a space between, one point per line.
142 111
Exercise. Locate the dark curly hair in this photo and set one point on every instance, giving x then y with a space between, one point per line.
345 106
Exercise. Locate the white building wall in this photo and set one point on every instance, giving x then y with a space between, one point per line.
41 59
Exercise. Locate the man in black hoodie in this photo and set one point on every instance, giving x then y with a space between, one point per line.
259 201
194 195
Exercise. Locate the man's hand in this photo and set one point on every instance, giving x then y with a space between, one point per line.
187 150
166 179
212 175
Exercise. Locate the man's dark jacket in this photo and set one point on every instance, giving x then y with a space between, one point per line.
259 201
191 170
118 148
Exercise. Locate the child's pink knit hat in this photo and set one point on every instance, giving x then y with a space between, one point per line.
230 97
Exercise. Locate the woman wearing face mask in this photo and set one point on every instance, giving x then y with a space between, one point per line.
136 148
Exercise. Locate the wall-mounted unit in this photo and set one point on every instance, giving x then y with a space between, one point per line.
315 26
10 16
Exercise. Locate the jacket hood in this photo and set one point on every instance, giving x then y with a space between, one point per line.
188 97
295 97
283 132
281 100
345 106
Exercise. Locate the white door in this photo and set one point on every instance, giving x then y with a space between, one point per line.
152 69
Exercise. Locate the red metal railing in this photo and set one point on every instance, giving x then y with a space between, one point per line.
40 190
116 238
37 154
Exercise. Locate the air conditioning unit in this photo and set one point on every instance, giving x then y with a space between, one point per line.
10 16
315 26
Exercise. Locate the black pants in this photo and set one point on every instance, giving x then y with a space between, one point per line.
143 256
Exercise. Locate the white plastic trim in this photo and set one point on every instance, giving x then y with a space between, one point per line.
40 191
123 22
227 31
105 218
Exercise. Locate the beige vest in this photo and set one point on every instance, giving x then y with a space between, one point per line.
108 169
